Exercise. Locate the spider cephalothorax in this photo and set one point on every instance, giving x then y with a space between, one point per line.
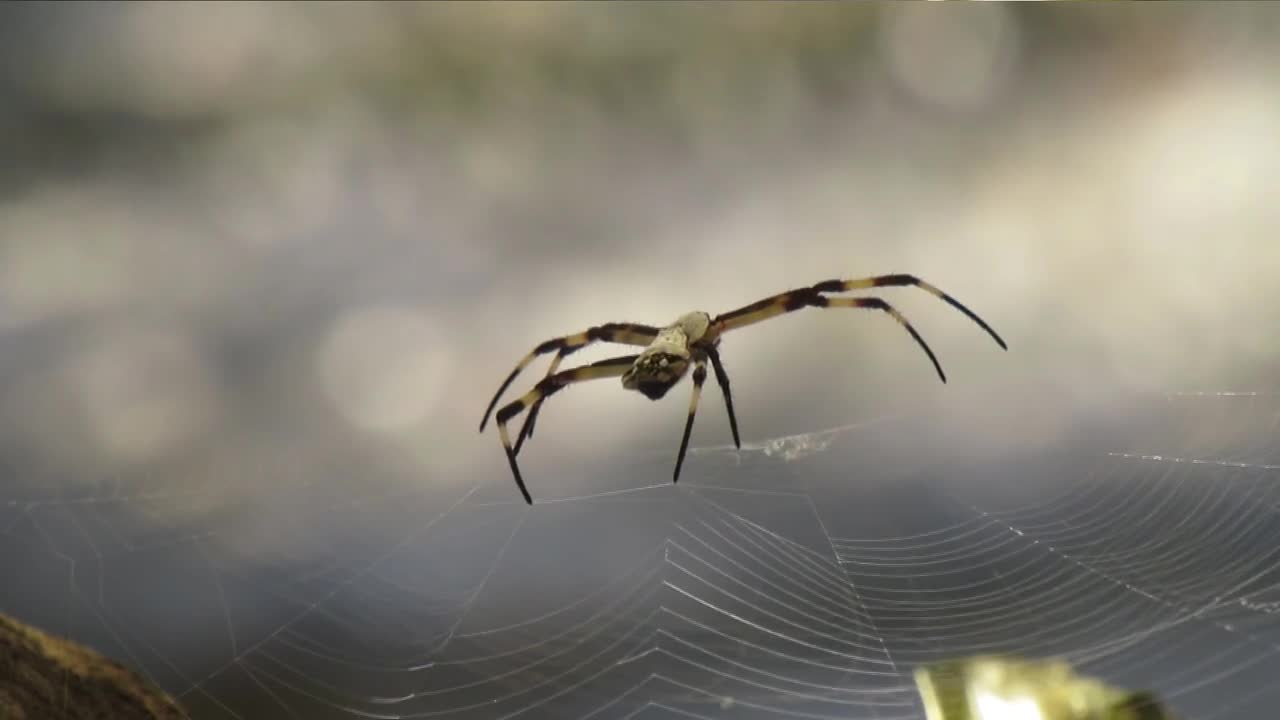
693 339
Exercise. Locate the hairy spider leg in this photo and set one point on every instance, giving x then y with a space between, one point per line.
623 333
699 376
722 377
548 386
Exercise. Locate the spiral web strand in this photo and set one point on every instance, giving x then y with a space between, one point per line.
1154 563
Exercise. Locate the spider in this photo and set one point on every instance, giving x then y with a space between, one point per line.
693 339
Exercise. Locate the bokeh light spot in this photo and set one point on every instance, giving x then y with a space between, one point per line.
954 56
384 367
144 392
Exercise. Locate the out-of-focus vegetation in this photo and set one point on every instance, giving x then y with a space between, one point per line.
42 676
1001 688
144 81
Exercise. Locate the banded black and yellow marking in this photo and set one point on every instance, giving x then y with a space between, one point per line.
905 280
702 346
813 297
874 303
795 299
623 333
526 430
613 367
699 376
722 377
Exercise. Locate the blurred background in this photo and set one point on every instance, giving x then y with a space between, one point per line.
262 265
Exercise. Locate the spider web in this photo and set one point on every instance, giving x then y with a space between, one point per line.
801 577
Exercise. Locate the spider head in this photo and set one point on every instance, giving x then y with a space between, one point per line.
656 371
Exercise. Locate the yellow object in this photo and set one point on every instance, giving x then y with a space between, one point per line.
1006 688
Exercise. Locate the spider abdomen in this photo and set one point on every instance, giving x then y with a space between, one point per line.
666 360
657 370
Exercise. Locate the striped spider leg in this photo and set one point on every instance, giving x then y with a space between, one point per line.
612 367
690 342
653 372
549 385
622 333
814 296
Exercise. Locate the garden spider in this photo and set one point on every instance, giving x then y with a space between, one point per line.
693 339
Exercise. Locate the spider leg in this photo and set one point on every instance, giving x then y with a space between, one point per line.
904 280
699 376
548 386
809 297
874 303
723 378
795 299
526 430
625 333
